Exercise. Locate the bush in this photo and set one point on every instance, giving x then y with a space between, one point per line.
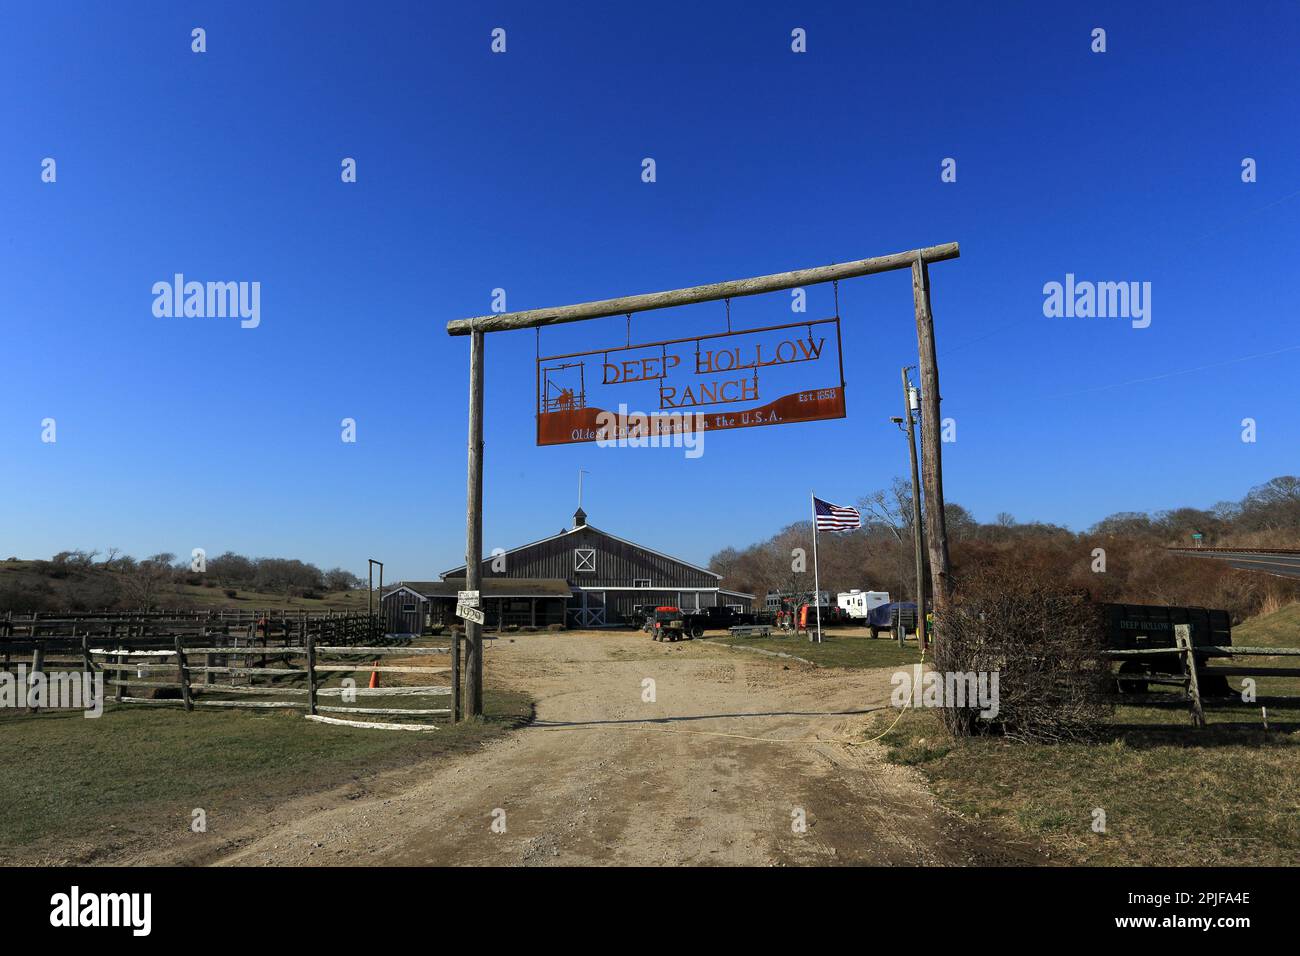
436 630
1042 640
231 593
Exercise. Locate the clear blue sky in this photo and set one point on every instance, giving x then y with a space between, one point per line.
522 171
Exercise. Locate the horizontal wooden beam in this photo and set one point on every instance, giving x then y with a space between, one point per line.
533 318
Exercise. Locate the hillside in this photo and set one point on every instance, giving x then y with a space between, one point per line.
27 586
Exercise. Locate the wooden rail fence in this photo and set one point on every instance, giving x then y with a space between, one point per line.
216 660
1195 676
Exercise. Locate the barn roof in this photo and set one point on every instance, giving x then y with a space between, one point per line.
613 537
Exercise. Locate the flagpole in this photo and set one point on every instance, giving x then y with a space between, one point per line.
817 585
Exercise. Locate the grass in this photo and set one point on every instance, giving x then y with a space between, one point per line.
837 649
1172 795
1279 629
113 782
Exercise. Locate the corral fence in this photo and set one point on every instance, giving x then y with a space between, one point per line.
255 660
1203 685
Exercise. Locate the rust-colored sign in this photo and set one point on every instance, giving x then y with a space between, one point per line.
768 376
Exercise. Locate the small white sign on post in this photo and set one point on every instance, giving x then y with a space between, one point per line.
467 598
469 613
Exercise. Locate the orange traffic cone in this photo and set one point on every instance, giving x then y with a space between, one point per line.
374 677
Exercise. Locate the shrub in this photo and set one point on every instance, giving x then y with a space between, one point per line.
1042 640
231 593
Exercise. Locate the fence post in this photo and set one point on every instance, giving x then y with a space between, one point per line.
1183 635
184 673
310 641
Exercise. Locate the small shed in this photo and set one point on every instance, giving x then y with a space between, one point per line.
405 609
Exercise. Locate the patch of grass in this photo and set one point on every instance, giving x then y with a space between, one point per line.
1279 629
1171 795
113 781
835 650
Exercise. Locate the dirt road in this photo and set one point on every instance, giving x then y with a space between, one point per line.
734 749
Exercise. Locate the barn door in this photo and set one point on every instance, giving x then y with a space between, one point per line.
590 610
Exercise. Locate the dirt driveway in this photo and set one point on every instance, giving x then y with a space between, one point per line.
715 770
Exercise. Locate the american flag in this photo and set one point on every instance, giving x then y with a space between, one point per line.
835 517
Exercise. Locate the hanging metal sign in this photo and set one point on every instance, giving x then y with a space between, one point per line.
775 375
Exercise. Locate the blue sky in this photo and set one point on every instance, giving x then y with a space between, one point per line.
522 171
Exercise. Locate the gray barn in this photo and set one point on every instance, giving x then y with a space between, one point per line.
608 580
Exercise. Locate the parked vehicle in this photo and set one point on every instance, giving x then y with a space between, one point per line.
1140 626
887 617
670 624
859 604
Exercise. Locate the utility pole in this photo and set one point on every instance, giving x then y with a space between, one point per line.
909 408
474 529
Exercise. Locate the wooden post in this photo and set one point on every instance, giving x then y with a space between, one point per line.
918 534
474 529
1183 636
85 654
208 661
183 671
714 292
931 443
310 642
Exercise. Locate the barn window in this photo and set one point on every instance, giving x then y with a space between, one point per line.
584 559
640 582
408 608
736 607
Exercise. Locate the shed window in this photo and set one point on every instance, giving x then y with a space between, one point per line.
584 559
408 608
640 582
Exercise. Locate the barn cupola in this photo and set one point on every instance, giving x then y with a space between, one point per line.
580 518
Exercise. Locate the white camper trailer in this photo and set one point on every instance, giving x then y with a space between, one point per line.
858 604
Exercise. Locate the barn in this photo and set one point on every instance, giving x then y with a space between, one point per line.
582 577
